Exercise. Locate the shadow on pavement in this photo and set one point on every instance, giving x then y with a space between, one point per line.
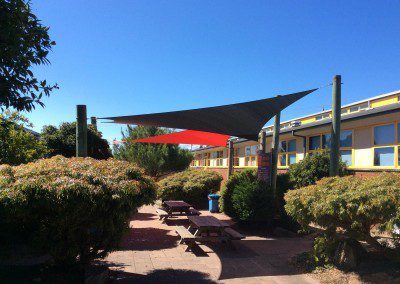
162 276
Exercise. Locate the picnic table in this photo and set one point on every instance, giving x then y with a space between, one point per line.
176 208
206 229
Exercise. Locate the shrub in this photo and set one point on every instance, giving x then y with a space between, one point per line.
312 168
74 209
191 186
246 199
352 204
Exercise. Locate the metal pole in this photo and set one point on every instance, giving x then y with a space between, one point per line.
335 130
231 152
275 147
81 131
93 121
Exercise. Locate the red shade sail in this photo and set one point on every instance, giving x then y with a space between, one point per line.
187 137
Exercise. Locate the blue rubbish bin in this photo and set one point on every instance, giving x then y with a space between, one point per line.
213 203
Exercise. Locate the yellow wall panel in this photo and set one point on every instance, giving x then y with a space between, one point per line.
384 101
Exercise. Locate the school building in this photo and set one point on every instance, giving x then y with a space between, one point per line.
369 140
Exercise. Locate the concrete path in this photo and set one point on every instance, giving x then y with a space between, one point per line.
150 254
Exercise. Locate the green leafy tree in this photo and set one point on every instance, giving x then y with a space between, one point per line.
17 144
62 141
156 159
312 168
24 43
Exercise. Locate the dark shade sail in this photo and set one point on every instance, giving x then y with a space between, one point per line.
192 137
244 120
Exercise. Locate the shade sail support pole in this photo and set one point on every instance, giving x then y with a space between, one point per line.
81 131
231 158
263 142
275 147
335 130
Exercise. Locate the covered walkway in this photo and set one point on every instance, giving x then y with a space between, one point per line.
150 254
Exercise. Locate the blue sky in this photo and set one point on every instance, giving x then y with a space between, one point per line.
132 57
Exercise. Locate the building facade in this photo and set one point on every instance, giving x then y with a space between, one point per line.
369 140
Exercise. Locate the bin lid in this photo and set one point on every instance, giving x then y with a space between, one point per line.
214 195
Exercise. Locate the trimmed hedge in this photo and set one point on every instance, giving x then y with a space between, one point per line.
352 204
74 209
192 186
246 199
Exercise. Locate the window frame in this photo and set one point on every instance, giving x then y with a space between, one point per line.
395 145
328 148
250 159
286 153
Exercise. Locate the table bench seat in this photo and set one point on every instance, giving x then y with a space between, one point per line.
193 211
162 213
234 235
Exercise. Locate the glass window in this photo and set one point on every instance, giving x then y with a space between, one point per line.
247 151
364 106
346 138
398 134
346 157
282 160
314 142
292 145
254 149
326 141
292 159
354 109
384 156
384 134
282 146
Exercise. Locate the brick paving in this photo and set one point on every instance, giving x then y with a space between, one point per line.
150 254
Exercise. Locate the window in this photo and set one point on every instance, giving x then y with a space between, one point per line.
384 157
218 156
251 156
287 150
236 157
346 157
325 141
314 142
206 160
345 111
292 145
346 138
398 133
292 159
322 116
384 134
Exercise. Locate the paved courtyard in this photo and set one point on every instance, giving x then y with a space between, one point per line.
150 254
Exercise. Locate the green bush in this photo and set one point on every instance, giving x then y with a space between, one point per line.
246 199
352 204
74 209
191 186
312 168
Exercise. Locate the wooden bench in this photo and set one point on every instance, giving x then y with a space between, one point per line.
234 235
162 213
186 237
193 211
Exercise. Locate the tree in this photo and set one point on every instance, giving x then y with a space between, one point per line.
24 42
156 159
313 167
62 141
17 144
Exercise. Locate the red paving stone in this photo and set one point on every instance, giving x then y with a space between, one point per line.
150 254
